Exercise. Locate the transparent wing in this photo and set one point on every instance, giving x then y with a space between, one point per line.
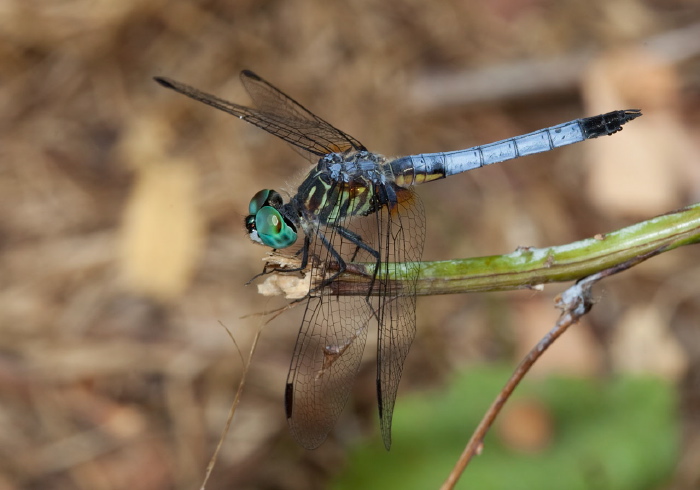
279 115
403 235
333 334
328 350
317 136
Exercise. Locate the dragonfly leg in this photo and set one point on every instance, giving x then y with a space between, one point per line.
269 270
336 257
304 258
357 240
340 262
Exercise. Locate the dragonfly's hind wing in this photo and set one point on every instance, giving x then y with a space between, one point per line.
316 135
403 229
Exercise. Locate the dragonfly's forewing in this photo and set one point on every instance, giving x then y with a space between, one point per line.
326 359
328 350
310 135
308 131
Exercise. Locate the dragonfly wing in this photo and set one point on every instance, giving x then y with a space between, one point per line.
326 360
320 137
311 138
327 354
402 233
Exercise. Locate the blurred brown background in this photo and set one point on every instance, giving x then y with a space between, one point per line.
122 246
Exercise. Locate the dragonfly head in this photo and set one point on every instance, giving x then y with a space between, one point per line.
265 224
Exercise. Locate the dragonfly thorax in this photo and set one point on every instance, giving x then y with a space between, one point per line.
341 186
267 224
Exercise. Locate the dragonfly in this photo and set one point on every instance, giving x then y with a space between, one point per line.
355 206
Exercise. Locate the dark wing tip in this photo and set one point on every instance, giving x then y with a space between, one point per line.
288 399
250 74
165 82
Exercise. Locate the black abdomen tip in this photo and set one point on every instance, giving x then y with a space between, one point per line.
608 123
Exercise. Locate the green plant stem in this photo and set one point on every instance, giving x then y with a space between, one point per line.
528 267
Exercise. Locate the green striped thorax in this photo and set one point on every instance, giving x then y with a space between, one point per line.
266 224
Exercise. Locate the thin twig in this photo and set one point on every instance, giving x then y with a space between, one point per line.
236 400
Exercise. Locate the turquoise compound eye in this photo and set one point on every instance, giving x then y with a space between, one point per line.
272 229
265 197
